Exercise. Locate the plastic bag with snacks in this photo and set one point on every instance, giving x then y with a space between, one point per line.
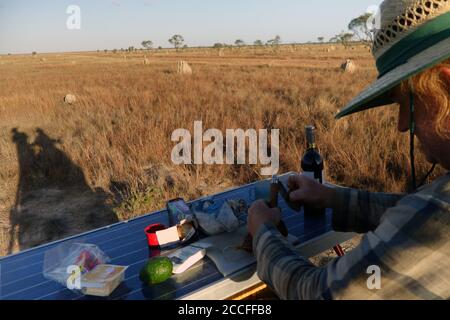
61 261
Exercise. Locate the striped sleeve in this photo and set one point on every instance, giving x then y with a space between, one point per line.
409 247
291 276
360 211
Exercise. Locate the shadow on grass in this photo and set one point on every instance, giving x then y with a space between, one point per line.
53 198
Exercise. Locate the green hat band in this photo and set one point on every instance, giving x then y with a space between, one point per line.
421 39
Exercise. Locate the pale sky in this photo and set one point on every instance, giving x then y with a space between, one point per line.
40 25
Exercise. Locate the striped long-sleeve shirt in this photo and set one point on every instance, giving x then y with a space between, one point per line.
406 236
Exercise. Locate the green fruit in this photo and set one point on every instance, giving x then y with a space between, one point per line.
156 270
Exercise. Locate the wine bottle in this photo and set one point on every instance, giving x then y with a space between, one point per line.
312 165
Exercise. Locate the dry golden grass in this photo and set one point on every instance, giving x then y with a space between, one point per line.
119 130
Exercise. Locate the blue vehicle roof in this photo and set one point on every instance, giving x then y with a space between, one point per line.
21 274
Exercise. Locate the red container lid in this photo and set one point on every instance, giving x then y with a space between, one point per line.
150 231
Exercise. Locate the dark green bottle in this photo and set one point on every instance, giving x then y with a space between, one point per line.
312 165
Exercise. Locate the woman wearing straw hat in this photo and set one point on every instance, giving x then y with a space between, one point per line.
406 236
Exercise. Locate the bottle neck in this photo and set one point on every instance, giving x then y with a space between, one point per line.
310 138
311 146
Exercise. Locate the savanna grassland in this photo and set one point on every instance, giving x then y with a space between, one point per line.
65 169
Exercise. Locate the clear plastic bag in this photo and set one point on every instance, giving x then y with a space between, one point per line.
214 220
60 260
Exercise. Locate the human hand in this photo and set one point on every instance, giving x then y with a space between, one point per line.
306 190
259 214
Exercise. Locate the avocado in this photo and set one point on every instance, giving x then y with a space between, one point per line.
156 270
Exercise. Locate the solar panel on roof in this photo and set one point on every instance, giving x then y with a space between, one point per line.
21 275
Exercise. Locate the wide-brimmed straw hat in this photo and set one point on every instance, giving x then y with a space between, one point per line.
414 35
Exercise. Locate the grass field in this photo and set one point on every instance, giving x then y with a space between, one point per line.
65 169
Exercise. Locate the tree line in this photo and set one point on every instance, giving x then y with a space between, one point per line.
359 29
178 42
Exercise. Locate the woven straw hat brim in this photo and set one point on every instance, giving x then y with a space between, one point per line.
377 94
